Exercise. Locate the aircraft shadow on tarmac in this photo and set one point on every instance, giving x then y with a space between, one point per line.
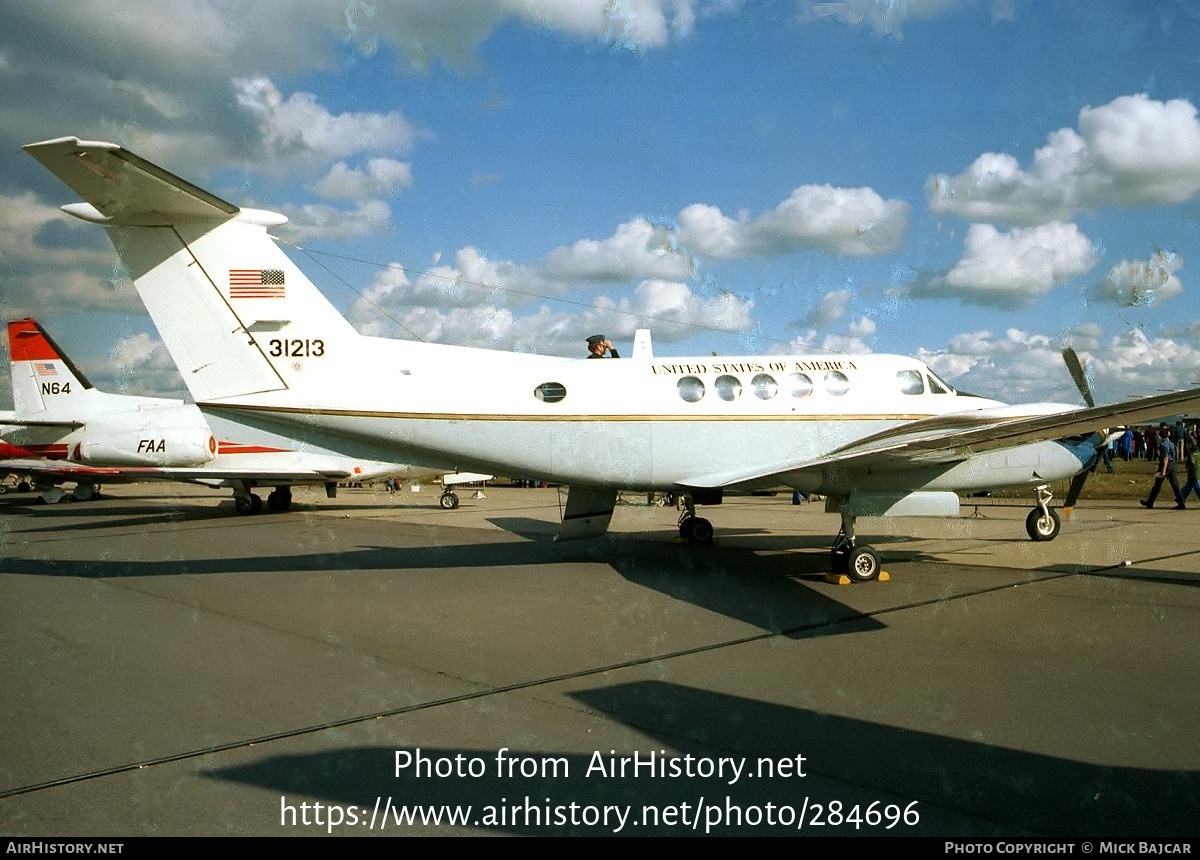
763 591
961 787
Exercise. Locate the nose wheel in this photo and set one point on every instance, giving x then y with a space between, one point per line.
1043 523
858 562
449 500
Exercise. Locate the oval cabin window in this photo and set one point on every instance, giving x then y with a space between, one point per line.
728 387
690 388
837 383
550 392
799 385
764 385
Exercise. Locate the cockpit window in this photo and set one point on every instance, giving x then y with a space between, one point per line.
764 385
550 392
910 382
799 385
934 386
728 387
837 383
690 388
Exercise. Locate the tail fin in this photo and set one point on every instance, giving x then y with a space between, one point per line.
46 383
235 313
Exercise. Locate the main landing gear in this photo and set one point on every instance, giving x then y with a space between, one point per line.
860 562
280 499
1043 523
449 499
692 528
247 502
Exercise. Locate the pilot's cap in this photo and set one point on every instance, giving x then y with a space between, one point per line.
595 339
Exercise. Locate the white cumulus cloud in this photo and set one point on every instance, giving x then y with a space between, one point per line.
379 177
319 221
638 249
1012 269
300 126
855 222
1134 151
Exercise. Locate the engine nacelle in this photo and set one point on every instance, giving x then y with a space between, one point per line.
179 447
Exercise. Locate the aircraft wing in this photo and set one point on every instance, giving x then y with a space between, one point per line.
24 422
952 438
58 470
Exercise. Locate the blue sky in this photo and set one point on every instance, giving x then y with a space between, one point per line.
976 182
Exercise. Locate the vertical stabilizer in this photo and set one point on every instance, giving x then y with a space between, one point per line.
45 382
238 317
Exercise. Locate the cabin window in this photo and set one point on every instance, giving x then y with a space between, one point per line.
550 392
728 387
910 382
691 389
935 387
764 385
836 383
799 385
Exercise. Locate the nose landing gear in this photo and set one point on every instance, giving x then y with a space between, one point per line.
859 562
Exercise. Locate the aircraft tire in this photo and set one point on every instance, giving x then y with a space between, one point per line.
685 527
1043 528
251 504
863 564
85 492
448 501
701 530
279 501
24 486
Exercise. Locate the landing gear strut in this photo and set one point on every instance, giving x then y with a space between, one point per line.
692 528
1043 523
861 563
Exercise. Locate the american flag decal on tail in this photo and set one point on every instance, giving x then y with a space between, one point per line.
256 284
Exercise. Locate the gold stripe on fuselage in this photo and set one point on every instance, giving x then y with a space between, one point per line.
590 416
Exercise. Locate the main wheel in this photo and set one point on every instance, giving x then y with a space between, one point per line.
279 500
701 531
85 492
863 564
1043 526
448 501
251 504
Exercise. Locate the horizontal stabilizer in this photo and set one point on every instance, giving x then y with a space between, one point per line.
125 189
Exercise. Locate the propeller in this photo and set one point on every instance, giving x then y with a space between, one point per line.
1079 376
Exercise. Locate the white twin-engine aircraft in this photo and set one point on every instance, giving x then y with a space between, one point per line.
63 430
257 343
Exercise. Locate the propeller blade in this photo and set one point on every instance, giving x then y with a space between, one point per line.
1078 375
1073 492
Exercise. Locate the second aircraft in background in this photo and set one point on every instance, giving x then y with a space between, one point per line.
65 430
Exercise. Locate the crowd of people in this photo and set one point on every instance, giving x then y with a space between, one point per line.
1165 445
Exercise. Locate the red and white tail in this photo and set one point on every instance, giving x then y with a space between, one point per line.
46 384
